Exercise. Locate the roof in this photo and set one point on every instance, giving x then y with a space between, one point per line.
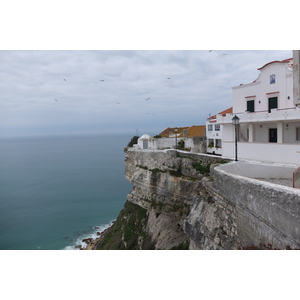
169 130
145 137
165 133
188 131
277 61
194 131
224 112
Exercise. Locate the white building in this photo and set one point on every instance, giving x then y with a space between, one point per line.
269 125
143 141
214 134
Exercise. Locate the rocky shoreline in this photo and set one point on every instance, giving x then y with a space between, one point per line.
91 243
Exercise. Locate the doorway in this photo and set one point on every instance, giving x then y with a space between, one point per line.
273 135
145 144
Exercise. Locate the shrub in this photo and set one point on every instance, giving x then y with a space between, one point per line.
134 140
205 170
181 145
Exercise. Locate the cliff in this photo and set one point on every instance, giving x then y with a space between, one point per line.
166 187
181 200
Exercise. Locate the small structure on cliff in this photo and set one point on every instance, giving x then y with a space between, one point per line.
143 141
187 138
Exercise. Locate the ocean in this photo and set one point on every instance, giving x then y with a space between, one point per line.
56 191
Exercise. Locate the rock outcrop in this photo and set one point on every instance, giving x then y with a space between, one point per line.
181 200
168 187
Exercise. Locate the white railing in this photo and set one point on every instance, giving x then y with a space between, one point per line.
262 116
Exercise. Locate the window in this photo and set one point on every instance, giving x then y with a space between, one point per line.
250 105
217 127
298 133
210 128
211 143
218 143
273 103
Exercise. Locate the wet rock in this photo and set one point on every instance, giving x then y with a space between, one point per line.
88 240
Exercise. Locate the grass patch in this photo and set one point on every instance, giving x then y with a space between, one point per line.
182 246
203 169
156 170
129 225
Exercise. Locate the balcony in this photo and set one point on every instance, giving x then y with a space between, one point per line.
276 114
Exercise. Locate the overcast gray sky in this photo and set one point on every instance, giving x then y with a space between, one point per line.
62 92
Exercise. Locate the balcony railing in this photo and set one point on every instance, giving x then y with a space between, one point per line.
276 114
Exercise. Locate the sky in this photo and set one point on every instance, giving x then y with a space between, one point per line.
117 92
134 46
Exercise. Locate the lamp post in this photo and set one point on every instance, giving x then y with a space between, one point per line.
176 129
235 122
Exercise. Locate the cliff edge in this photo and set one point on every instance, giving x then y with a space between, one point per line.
159 211
183 200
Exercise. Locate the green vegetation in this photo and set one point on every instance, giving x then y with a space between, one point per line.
176 173
143 167
183 246
134 140
180 144
156 170
203 169
158 204
124 234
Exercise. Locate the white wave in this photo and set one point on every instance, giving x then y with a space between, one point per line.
93 235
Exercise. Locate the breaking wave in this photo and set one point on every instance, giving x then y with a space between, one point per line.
93 234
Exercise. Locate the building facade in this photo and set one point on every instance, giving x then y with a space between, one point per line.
269 121
214 134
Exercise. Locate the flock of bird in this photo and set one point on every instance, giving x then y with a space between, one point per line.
102 80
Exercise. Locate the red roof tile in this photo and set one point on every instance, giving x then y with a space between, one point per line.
224 112
276 61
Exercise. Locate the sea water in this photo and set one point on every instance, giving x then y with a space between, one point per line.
56 191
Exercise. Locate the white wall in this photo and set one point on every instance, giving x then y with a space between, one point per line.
268 152
260 88
259 170
162 143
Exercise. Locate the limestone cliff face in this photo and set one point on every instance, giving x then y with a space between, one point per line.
171 185
179 200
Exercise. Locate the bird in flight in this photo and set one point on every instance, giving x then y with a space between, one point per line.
209 50
168 78
65 80
56 100
147 99
101 80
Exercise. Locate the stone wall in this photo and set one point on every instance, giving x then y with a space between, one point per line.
266 213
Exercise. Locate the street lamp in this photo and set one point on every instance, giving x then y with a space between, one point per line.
175 129
235 122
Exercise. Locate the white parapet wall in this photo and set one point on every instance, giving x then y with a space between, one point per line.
195 144
268 152
261 170
267 213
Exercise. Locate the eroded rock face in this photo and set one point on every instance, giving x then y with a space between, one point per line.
169 185
180 201
211 224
